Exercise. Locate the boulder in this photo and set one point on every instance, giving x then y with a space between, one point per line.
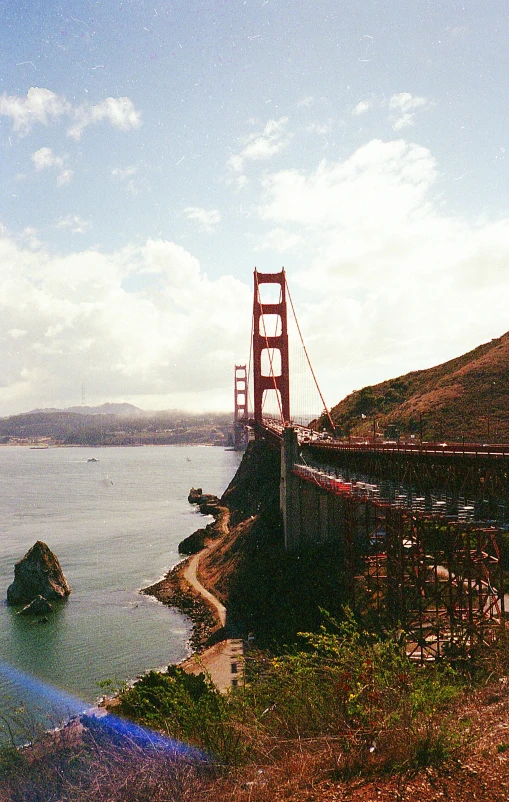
192 544
39 606
38 573
197 496
210 505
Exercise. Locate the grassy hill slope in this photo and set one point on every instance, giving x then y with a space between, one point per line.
466 397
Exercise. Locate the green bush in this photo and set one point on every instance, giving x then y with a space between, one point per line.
343 683
185 707
361 690
12 761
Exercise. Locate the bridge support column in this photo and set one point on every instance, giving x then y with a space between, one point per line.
240 408
276 343
324 517
289 491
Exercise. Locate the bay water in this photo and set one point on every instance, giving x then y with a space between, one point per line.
114 525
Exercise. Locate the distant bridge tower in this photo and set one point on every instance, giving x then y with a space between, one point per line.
240 408
280 383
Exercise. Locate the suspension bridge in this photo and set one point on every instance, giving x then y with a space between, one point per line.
420 527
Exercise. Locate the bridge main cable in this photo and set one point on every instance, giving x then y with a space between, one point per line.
325 407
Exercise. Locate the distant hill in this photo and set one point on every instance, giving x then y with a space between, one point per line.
102 426
124 409
467 397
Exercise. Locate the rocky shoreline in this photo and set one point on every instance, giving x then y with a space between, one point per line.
175 591
207 637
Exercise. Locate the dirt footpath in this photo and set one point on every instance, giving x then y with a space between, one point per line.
190 575
223 662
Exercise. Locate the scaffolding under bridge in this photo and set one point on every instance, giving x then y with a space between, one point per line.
438 577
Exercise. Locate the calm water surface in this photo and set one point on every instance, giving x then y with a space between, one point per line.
111 540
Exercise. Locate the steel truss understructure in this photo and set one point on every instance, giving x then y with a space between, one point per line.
440 580
479 476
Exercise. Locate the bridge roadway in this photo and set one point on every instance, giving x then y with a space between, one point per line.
468 473
306 436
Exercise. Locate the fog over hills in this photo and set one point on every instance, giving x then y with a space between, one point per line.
115 424
464 398
127 410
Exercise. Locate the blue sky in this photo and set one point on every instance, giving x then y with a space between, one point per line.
151 155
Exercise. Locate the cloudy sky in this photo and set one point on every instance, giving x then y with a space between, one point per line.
152 154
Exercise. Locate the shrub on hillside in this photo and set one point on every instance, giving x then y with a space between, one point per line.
362 691
344 684
185 707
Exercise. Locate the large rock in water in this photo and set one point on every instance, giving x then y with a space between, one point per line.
37 574
197 496
39 606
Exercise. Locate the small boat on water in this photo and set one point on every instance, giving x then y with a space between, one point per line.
92 459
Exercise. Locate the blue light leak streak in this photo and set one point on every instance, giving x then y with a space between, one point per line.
49 694
108 723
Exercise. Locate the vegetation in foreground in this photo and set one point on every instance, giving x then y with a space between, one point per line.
344 684
347 704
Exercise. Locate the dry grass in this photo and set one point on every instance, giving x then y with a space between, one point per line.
296 770
454 398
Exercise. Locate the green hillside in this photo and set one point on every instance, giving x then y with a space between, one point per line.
467 397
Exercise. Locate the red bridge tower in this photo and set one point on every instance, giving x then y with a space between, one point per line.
240 413
262 342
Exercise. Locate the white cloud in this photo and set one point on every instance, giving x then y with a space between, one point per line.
235 163
262 145
404 102
240 181
29 235
280 240
404 105
142 323
272 140
39 106
124 172
379 184
64 177
74 223
320 128
362 107
44 158
119 112
206 219
389 283
43 106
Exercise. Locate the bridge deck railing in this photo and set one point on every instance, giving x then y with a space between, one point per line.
308 437
443 449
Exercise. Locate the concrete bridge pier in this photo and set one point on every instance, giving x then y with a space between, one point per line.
310 514
289 490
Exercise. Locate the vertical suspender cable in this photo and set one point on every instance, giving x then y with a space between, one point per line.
308 359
